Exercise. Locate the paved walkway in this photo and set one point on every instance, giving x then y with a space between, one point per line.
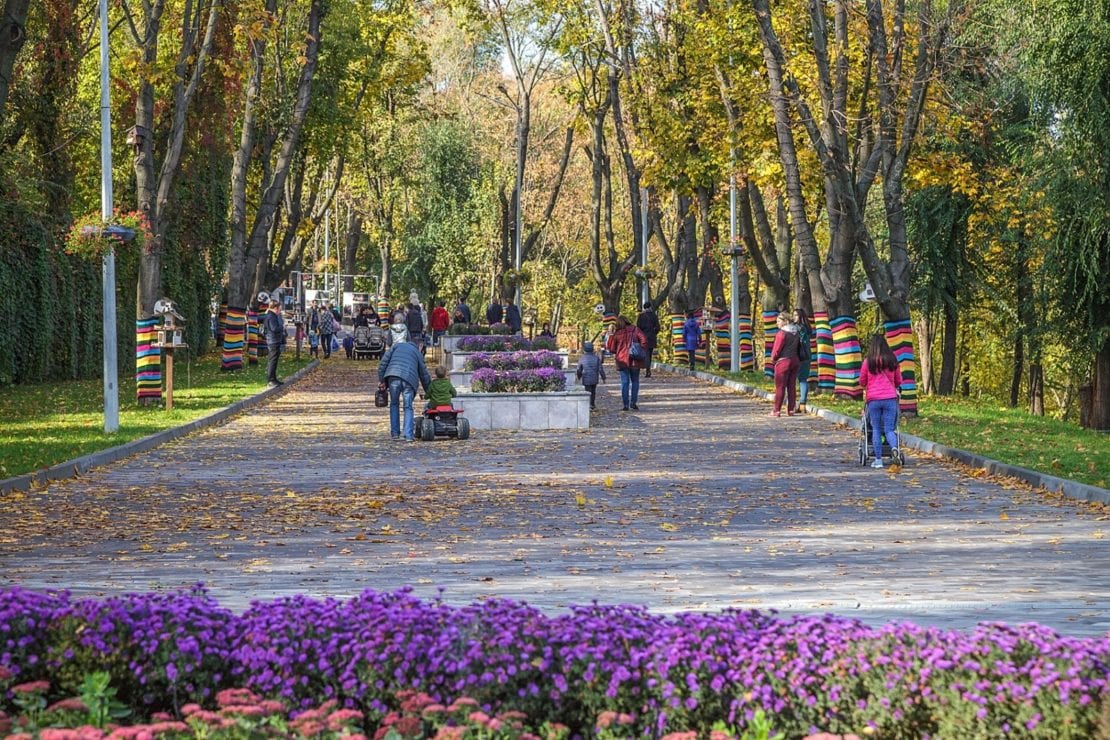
699 501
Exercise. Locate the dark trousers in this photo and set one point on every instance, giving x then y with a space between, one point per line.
649 351
593 395
693 353
272 355
325 342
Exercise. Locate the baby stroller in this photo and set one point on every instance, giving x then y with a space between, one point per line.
895 455
369 342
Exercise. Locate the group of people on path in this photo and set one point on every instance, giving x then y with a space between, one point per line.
632 346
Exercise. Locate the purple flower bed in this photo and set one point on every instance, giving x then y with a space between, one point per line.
494 343
685 672
519 360
538 380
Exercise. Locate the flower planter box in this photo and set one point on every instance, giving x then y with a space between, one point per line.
563 410
461 378
456 361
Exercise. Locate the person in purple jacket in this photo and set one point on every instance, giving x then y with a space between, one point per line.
881 380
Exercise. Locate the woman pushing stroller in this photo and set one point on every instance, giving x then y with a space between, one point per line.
881 380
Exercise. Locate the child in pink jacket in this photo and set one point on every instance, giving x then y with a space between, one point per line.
881 380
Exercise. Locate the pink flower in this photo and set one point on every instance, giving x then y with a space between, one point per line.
606 719
479 718
189 709
72 704
681 736
31 687
229 697
450 733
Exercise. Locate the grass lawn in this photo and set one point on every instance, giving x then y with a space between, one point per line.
991 429
50 423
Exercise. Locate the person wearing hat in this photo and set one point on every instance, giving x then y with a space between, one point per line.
589 371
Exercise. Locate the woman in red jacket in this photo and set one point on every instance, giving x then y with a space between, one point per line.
439 321
620 346
785 360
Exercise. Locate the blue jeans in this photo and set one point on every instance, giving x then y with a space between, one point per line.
400 390
630 380
803 381
883 416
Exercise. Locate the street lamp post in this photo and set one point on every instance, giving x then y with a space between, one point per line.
108 267
734 255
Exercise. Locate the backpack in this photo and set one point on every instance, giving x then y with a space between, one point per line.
805 354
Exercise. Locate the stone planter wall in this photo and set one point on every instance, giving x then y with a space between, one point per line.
461 378
487 411
457 360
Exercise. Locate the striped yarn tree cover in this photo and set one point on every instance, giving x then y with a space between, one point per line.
678 346
848 357
747 347
825 355
770 329
812 377
148 359
383 310
252 337
723 334
899 335
234 330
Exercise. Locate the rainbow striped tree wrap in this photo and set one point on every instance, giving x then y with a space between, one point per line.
678 345
770 329
234 330
724 340
825 354
747 346
252 337
148 360
848 357
383 310
899 335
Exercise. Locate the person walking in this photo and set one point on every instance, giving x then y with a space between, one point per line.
691 335
328 329
401 370
312 328
648 323
439 321
620 344
512 318
273 328
805 357
784 358
546 332
494 314
881 380
589 371
414 320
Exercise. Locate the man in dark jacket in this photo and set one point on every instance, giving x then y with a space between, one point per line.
512 318
414 320
273 327
648 323
494 313
463 311
401 370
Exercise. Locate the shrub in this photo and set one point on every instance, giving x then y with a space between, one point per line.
687 672
539 380
519 360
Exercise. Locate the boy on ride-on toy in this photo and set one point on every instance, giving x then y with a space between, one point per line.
440 391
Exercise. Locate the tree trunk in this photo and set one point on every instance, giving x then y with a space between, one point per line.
947 385
925 335
1096 413
350 253
13 34
1036 389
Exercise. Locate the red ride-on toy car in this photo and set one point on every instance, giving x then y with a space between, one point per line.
442 421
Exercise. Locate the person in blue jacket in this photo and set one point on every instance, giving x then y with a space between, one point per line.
691 334
401 370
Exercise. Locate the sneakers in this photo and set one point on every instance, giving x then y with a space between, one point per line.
635 407
877 463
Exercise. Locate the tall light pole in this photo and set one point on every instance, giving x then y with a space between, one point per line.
108 267
518 226
645 289
734 258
